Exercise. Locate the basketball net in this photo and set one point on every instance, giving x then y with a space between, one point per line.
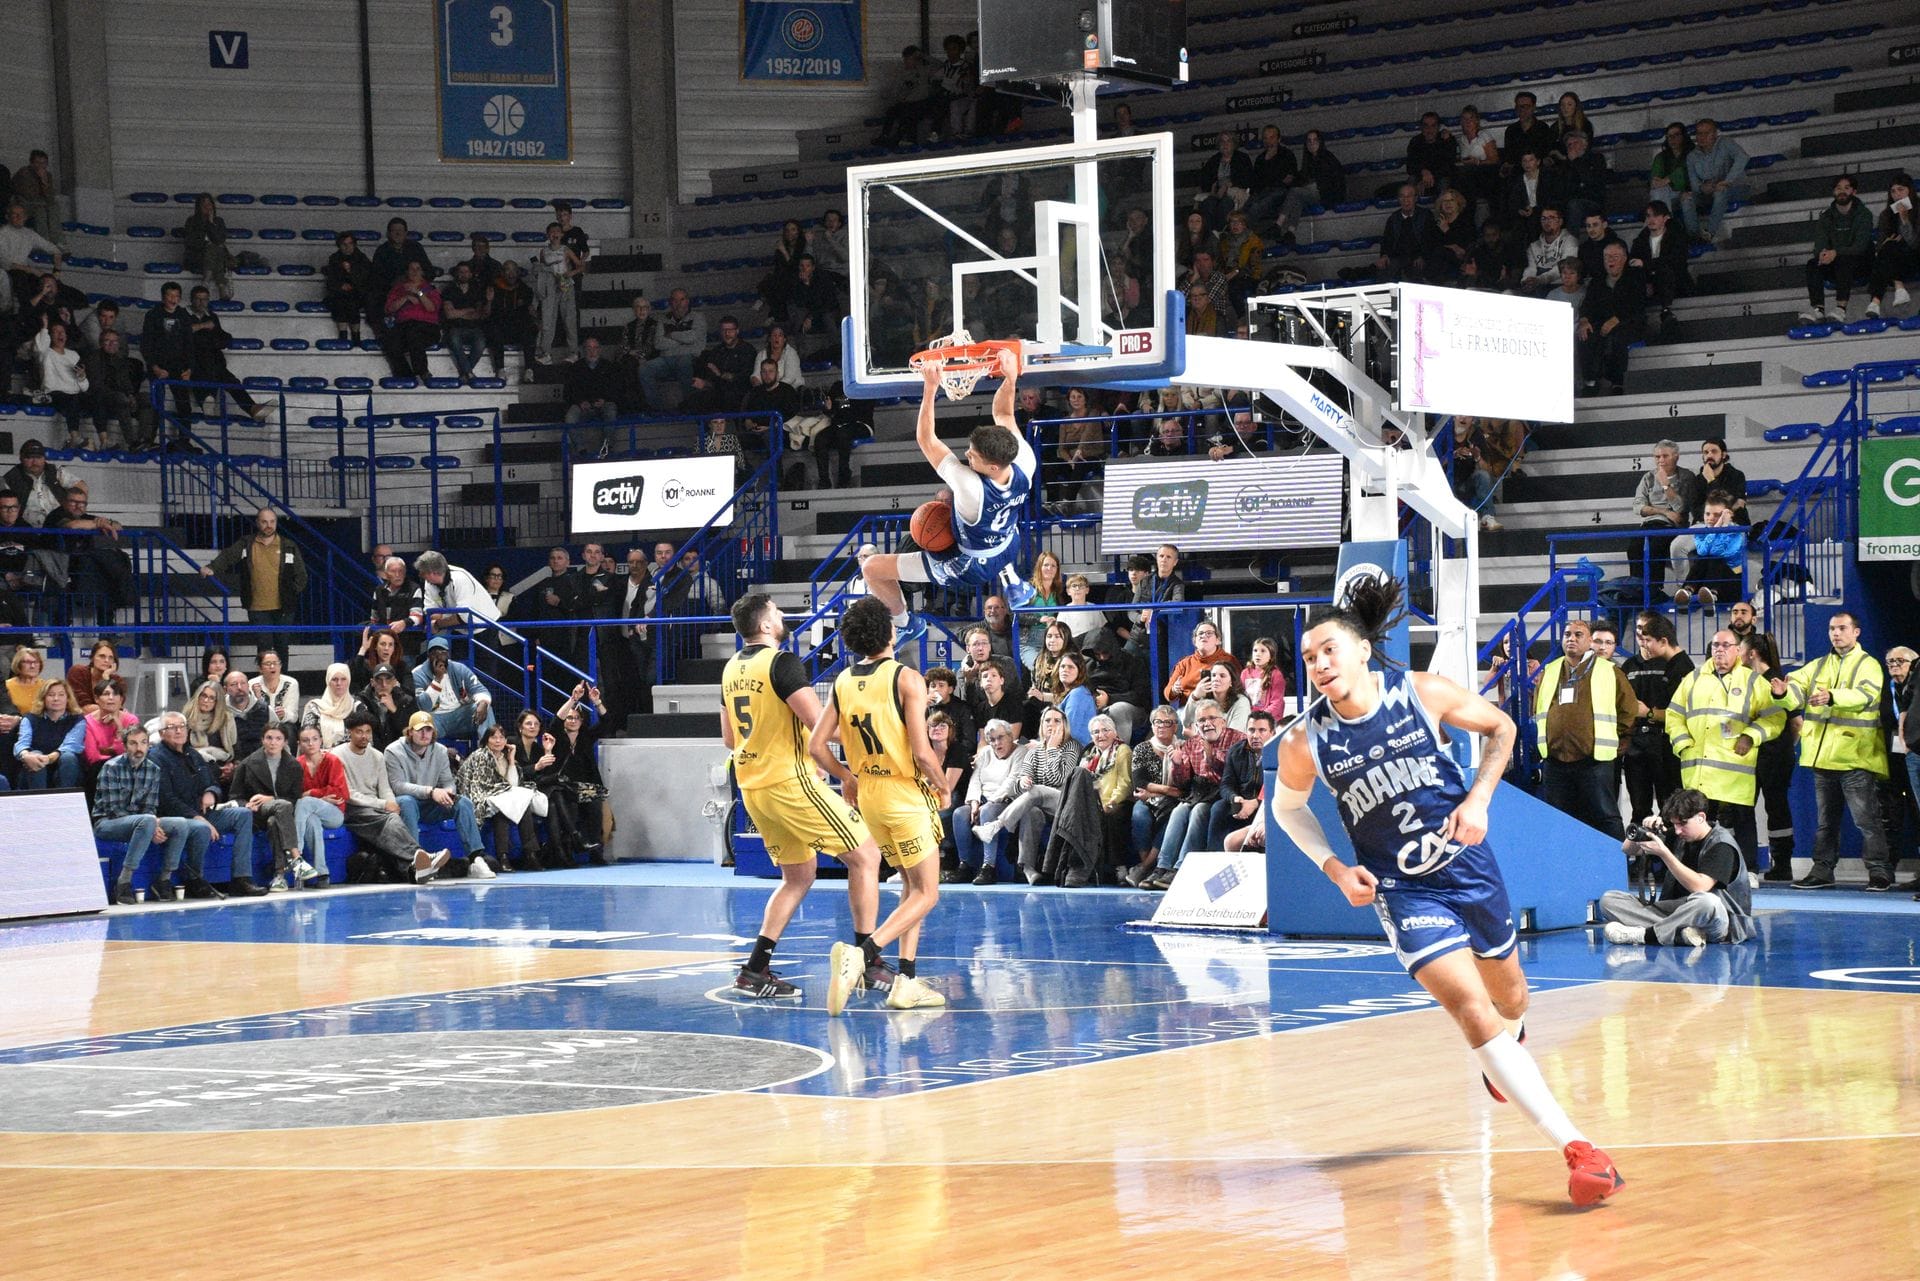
962 362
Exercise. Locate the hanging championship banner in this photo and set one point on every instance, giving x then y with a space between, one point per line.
501 76
801 40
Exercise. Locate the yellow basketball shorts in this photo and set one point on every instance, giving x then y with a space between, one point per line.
903 817
799 817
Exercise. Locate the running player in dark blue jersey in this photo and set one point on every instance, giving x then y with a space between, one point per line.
990 485
1419 827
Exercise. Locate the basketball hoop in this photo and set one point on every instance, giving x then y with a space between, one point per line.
962 362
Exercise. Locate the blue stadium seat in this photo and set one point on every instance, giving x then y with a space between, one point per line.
348 462
220 306
291 344
272 306
163 269
1826 378
306 382
296 269
1905 425
333 344
399 384
447 202
246 344
353 382
327 422
361 202
378 422
404 202
464 422
494 384
148 198
447 237
439 462
1876 376
310 307
486 202
444 384
1792 433
147 233
1860 328
529 238
261 382
280 200
318 234
393 462
527 202
419 422
278 233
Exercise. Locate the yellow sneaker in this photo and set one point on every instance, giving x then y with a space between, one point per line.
845 964
913 994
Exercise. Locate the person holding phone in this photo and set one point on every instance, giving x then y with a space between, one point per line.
1896 247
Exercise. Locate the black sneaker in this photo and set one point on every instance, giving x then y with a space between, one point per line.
1879 885
1815 881
987 876
243 887
878 978
764 985
123 894
197 888
160 892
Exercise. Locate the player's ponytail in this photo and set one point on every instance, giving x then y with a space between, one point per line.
1370 608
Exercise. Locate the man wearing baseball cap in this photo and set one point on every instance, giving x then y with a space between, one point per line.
421 773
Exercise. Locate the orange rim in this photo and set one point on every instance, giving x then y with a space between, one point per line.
982 355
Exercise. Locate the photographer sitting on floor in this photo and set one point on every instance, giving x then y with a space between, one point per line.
1705 898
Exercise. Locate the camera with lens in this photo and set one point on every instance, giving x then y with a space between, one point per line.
1642 833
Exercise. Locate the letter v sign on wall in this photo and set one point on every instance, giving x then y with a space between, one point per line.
227 50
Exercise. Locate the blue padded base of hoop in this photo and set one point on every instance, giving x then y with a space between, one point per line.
1142 377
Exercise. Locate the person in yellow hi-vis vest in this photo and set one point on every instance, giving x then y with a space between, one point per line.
1839 698
1580 707
1717 720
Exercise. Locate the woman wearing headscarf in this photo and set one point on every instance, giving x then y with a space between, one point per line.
329 711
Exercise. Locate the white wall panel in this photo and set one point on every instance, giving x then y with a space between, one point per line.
26 81
726 121
292 122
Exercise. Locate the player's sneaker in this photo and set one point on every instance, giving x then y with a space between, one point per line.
764 985
845 966
913 994
879 977
1591 1177
1497 1096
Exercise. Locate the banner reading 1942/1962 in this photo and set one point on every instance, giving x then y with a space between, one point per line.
501 70
802 40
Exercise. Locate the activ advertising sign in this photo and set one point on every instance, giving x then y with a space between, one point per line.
647 494
1226 505
1890 498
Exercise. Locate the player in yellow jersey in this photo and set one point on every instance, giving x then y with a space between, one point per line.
768 710
879 712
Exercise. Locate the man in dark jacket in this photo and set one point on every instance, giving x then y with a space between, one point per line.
1430 157
210 343
1612 319
769 396
592 392
1585 173
390 262
1842 248
1408 241
390 702
722 372
166 344
265 570
1118 681
114 380
1241 781
269 783
189 792
1662 254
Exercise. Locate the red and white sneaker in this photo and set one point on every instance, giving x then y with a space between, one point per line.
1591 1177
1497 1096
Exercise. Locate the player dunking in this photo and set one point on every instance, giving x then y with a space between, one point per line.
1420 832
879 712
768 709
989 488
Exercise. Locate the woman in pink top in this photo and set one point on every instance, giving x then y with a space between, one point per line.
107 723
1265 683
413 324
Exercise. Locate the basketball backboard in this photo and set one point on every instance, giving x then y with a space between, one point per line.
1068 248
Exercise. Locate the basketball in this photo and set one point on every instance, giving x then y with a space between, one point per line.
932 526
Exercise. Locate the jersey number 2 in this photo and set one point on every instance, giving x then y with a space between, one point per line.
1421 855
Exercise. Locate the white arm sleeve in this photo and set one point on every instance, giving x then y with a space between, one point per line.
965 483
1300 824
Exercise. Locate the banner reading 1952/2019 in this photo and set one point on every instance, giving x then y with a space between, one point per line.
802 40
501 69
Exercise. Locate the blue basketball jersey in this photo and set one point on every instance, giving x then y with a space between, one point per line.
999 520
1396 784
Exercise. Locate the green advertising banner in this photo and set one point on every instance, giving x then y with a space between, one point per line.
1890 498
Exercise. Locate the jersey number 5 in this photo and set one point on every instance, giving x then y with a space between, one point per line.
742 718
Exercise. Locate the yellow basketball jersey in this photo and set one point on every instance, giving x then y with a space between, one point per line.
770 743
873 727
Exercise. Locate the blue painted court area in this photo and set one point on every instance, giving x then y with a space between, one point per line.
1036 979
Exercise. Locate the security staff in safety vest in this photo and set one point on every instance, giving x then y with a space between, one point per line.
1839 698
1717 720
1580 708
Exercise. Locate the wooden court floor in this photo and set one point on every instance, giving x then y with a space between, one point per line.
1763 1132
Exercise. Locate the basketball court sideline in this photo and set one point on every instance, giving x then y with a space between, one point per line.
562 1059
